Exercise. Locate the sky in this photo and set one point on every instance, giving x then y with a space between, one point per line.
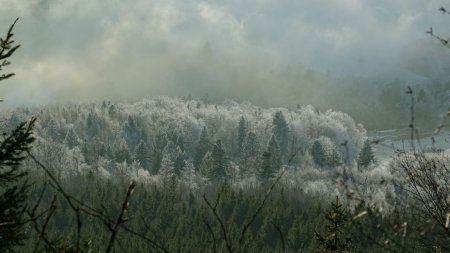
252 50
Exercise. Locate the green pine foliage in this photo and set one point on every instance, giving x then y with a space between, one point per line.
280 130
366 155
271 161
336 238
142 155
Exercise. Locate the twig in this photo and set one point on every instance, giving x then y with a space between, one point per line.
120 220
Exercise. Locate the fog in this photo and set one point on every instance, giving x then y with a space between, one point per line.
332 54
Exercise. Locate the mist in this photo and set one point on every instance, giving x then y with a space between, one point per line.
331 54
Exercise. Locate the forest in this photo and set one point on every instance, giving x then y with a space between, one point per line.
178 174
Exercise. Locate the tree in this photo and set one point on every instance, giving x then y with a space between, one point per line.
142 155
250 155
13 184
335 238
219 161
271 161
242 132
203 146
52 130
366 156
71 138
318 153
280 130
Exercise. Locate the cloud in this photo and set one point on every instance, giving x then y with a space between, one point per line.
247 50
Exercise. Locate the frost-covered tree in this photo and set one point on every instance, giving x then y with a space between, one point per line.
205 167
242 132
271 161
366 155
203 146
142 155
334 157
71 138
122 153
132 133
318 153
250 155
52 130
280 130
176 155
219 161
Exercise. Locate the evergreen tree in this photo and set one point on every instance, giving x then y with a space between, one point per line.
319 154
280 130
203 146
122 153
132 133
242 132
271 161
13 186
250 155
205 167
71 138
334 158
176 155
366 156
219 161
336 239
52 130
142 155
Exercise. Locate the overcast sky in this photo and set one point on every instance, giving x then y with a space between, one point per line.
130 49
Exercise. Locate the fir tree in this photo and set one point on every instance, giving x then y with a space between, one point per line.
205 167
271 161
335 238
52 130
176 155
250 155
280 130
318 153
366 156
203 146
132 133
334 158
122 153
219 161
13 186
242 132
71 138
142 155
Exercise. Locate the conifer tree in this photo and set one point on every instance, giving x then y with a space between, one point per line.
250 155
203 146
280 130
13 184
271 161
366 156
219 161
122 153
205 167
142 155
318 153
71 138
335 239
242 132
52 130
334 158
